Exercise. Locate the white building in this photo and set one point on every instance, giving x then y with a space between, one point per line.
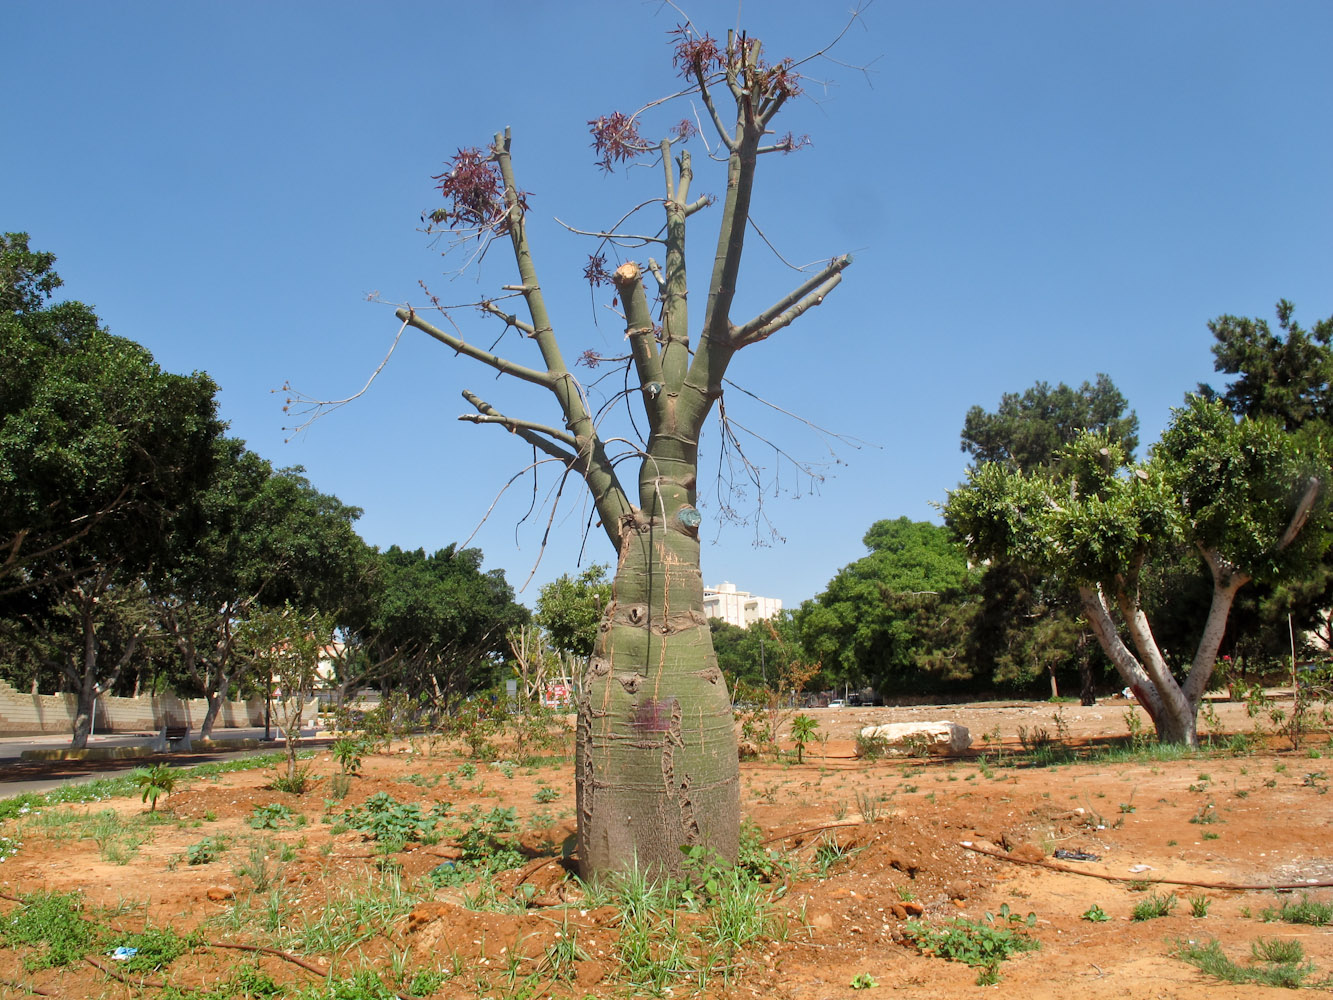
737 607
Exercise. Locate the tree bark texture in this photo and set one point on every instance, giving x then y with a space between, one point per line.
656 752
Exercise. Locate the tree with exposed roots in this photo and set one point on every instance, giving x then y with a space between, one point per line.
656 750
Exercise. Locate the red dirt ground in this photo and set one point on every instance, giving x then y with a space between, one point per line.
922 854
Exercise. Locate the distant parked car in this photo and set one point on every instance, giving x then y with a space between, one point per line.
837 703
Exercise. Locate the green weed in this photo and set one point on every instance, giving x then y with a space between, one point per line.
1154 906
979 945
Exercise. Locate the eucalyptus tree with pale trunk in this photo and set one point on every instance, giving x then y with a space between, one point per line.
656 751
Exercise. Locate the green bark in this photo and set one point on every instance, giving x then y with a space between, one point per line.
656 747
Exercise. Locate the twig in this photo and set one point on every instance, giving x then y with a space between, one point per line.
815 829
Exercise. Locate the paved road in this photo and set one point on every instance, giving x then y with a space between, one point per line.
18 776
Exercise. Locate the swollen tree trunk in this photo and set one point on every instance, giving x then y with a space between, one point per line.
656 754
656 758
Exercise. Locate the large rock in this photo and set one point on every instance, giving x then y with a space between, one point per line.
913 737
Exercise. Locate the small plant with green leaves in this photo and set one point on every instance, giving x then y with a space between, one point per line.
271 816
1206 815
545 794
486 847
155 781
350 752
863 981
979 945
391 823
206 851
803 728
1154 906
1096 914
1138 736
1199 906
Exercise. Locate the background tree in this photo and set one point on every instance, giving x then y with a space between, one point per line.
656 757
1028 624
570 609
1246 495
1288 377
101 456
286 642
440 621
267 537
1028 431
896 618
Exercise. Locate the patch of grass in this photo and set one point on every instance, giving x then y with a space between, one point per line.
1307 911
1154 906
1273 963
1199 906
53 923
155 949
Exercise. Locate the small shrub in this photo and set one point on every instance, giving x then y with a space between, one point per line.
296 782
1154 906
155 781
271 816
978 945
871 747
205 851
349 752
1096 914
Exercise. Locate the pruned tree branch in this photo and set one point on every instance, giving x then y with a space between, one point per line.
809 294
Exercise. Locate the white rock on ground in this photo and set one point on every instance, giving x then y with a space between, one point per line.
939 737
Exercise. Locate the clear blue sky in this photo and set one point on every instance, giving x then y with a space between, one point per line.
1031 190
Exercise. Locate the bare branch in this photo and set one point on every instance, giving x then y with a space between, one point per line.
1302 513
811 293
316 408
510 318
527 430
502 365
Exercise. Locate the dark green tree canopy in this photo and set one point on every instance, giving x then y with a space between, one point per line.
101 451
444 614
1287 377
1027 431
871 624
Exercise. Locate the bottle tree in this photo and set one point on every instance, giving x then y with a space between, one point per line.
656 750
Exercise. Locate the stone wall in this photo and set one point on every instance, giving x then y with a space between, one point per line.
31 714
